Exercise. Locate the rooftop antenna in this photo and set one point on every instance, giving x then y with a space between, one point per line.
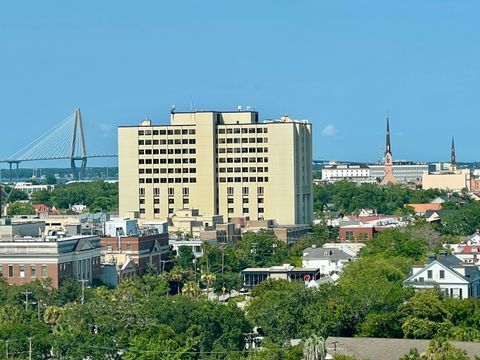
172 111
239 107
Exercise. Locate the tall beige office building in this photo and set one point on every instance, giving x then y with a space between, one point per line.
225 163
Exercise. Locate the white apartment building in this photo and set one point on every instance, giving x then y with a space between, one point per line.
221 163
334 172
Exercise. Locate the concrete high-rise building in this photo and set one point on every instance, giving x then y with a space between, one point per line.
225 163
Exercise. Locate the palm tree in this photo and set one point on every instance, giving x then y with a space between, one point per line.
52 315
191 289
208 279
314 348
176 275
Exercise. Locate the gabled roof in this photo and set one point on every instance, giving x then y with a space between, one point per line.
332 254
460 277
83 245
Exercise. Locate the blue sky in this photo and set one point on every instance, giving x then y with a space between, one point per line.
344 65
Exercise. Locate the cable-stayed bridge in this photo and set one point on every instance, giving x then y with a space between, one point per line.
66 141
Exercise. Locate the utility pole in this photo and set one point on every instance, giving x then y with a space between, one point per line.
6 349
29 348
223 265
83 281
26 293
39 305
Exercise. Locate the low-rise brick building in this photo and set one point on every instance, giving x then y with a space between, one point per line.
26 259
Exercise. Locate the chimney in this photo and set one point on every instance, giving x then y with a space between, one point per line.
431 258
442 253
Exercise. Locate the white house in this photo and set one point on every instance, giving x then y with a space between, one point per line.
328 259
448 273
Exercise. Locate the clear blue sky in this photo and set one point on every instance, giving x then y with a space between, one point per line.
344 65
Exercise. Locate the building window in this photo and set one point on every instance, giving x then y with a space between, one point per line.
10 270
429 274
33 271
109 247
245 210
229 190
245 190
171 191
230 210
129 247
260 190
442 274
44 271
22 270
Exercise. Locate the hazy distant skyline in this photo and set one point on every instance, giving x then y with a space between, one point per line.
343 65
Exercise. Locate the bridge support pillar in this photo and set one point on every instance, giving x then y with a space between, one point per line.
79 173
11 170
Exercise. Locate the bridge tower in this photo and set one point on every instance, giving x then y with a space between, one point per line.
78 150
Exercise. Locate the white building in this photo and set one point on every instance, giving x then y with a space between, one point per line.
352 171
29 188
453 277
404 171
120 227
328 259
195 245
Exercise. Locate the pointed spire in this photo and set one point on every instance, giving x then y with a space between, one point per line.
452 159
388 149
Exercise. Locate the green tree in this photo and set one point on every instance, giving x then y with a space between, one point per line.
41 197
185 257
20 208
17 195
51 180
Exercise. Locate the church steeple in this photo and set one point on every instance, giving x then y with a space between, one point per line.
453 162
388 177
388 149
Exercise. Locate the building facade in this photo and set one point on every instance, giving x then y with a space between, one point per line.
404 171
127 246
447 273
27 259
352 172
222 163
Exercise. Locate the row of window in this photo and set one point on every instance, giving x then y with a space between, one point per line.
242 150
166 181
242 160
243 179
167 132
168 171
166 151
230 200
245 210
169 142
128 247
173 161
243 130
167 161
242 141
245 190
243 169
186 191
13 270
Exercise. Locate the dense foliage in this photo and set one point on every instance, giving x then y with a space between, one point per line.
369 299
137 320
348 197
96 195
